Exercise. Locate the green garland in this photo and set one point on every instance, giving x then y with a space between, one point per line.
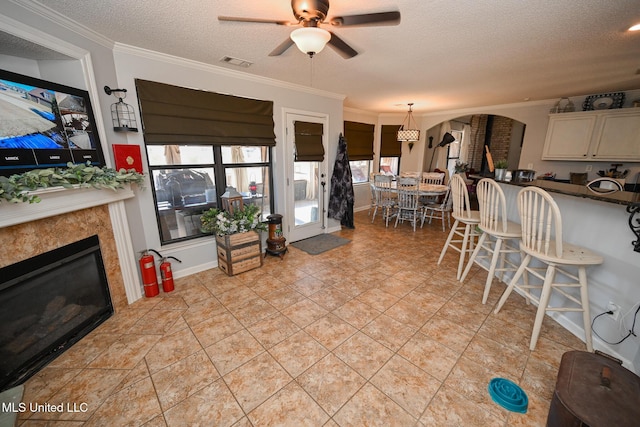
16 188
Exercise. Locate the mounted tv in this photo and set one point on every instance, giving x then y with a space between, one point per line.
44 125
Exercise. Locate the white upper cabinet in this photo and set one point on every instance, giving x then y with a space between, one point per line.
606 135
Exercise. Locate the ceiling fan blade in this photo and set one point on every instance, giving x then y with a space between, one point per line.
256 20
382 18
341 47
282 47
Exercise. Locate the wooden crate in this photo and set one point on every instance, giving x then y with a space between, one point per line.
239 252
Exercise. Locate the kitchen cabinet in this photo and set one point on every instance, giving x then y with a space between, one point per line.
601 135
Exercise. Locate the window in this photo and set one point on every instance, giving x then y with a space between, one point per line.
360 170
390 165
453 152
359 137
390 150
198 143
184 179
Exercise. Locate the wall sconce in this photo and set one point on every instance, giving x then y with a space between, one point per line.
122 116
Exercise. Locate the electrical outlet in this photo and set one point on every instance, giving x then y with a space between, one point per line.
529 166
615 308
589 168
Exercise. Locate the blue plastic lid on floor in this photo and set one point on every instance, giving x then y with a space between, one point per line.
508 395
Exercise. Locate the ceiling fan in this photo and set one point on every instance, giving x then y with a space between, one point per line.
311 39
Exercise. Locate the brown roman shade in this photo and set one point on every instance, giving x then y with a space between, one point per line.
389 145
308 142
177 115
359 138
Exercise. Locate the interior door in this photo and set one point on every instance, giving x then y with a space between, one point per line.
307 185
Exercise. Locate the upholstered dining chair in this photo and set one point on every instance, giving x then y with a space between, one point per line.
463 233
541 239
408 205
500 237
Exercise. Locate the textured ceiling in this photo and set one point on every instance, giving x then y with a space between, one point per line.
443 55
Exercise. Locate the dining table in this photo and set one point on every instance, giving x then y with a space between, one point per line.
426 189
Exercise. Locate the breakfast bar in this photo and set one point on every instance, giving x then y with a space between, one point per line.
599 222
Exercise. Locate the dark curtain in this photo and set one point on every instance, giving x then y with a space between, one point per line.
389 145
308 142
341 198
178 115
360 137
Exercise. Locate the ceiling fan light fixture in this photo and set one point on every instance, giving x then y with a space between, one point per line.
408 133
310 40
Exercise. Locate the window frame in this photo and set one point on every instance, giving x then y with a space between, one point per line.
220 181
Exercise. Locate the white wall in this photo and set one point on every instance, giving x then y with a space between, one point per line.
132 63
97 62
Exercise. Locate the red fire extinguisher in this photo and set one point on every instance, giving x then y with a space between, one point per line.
148 271
166 274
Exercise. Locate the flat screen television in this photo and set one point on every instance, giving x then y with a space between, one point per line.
44 125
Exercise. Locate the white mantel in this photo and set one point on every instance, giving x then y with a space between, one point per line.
59 200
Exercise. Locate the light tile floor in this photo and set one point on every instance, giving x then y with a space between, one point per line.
370 333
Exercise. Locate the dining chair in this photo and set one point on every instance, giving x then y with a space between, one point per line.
384 197
408 205
463 233
439 210
372 186
541 239
409 174
496 243
432 178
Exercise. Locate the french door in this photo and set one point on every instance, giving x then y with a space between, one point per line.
307 185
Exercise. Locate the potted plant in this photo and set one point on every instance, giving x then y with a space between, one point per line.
500 169
239 244
461 167
222 223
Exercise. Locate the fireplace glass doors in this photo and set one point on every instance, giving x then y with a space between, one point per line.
48 303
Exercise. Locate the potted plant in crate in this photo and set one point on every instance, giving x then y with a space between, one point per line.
500 169
239 244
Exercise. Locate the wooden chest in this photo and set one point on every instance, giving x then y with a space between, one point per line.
594 390
239 252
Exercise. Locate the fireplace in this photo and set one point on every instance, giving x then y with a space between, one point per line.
47 303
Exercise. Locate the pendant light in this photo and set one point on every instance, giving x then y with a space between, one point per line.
408 133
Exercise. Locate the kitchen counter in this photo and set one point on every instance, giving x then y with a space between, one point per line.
602 227
619 197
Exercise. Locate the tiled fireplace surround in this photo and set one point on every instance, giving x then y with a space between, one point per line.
65 216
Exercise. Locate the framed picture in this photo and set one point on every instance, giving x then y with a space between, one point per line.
603 101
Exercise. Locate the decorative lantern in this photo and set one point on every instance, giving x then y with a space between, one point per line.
232 200
122 116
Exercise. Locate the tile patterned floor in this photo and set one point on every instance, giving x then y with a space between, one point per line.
370 333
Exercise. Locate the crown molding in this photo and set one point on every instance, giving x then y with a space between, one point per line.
214 69
59 19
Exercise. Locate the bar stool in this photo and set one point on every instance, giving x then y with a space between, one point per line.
465 223
542 239
496 235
